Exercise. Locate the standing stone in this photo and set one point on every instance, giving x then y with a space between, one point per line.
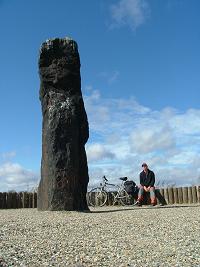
64 171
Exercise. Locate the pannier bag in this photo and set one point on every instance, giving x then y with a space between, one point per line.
130 187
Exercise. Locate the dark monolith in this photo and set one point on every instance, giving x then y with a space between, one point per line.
64 171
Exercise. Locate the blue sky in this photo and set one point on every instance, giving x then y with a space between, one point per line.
140 67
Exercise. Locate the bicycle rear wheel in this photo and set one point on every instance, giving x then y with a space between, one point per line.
125 198
97 197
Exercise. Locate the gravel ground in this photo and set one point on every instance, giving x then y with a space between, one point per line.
110 236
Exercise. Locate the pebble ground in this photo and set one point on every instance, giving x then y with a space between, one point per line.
108 236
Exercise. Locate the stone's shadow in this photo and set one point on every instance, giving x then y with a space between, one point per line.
144 208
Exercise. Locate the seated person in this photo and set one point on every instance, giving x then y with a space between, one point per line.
147 181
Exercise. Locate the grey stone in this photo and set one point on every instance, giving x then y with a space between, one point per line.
65 131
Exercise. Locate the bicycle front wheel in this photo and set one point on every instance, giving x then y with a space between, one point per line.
125 198
97 197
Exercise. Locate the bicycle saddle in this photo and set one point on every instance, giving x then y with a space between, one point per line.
123 178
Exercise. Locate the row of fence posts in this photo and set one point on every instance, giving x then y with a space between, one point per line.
14 200
171 195
180 195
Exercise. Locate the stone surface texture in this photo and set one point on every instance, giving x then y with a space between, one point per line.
65 131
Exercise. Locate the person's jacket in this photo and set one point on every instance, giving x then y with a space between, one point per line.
147 179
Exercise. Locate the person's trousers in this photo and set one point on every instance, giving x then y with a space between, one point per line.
152 194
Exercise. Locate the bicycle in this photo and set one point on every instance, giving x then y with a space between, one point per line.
98 196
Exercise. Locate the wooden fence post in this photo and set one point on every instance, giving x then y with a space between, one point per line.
189 194
9 200
110 199
185 195
198 193
34 200
180 195
30 199
5 200
20 200
163 195
92 197
166 197
14 200
170 195
1 200
194 194
25 200
175 193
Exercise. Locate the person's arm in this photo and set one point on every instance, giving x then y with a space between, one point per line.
152 179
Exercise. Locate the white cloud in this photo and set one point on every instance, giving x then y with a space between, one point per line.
98 152
129 12
187 123
168 140
186 157
14 176
146 140
102 119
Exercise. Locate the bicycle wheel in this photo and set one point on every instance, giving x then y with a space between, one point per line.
97 197
125 198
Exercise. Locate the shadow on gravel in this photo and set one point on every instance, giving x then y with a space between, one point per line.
144 208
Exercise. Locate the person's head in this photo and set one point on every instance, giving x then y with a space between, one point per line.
144 166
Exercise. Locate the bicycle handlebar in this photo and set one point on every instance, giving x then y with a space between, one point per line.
104 177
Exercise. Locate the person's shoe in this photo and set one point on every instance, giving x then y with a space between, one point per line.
153 204
137 203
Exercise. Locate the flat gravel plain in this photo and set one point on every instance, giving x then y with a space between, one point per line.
108 236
